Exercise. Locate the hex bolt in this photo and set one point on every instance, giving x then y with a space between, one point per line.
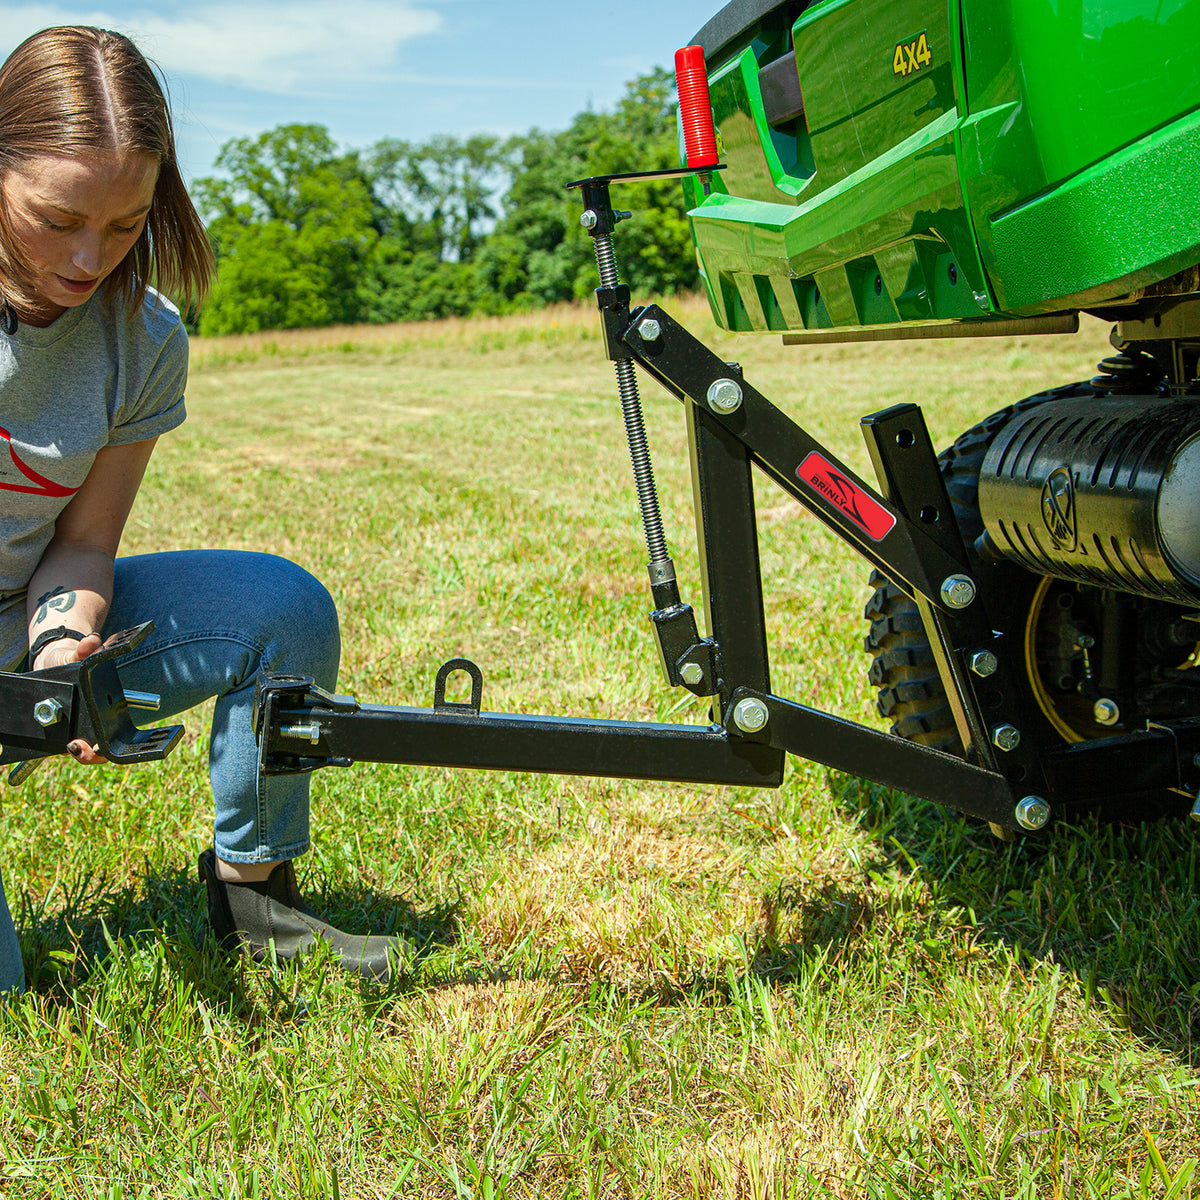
588 219
1106 711
724 396
1033 813
984 663
750 715
47 712
691 673
1006 737
309 731
650 330
958 591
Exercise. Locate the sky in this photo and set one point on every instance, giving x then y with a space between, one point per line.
368 69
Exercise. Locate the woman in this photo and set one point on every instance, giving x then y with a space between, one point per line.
93 363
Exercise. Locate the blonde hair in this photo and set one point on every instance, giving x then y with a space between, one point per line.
73 91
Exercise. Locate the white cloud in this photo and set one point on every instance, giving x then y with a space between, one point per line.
285 48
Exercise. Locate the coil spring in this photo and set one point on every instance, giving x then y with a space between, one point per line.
639 455
635 427
606 260
1130 373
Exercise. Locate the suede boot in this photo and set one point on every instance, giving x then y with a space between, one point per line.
252 916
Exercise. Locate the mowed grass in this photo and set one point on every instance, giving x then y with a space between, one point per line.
624 989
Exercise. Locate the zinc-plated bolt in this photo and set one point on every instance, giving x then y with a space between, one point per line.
1006 737
1106 711
984 663
958 591
724 395
650 330
588 219
750 715
1033 813
308 731
691 673
47 712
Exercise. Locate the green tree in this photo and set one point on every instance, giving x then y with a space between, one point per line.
654 249
441 192
308 235
293 228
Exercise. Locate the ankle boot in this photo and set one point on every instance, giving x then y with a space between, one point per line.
253 916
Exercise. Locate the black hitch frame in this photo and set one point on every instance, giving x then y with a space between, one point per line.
905 528
44 711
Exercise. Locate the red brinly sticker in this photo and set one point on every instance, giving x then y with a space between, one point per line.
844 494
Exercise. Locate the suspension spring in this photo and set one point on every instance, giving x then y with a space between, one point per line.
606 260
635 430
639 454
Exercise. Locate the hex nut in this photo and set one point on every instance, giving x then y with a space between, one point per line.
1006 737
650 330
588 219
1033 813
48 712
1106 711
750 715
691 673
724 396
984 663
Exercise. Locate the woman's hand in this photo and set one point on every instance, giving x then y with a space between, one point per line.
66 651
73 581
61 654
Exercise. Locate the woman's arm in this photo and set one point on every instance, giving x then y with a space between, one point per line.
72 585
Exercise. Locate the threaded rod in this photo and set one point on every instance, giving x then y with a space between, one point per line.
635 429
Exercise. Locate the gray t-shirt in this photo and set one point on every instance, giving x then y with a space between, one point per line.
93 378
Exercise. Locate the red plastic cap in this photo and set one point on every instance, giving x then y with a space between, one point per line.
695 108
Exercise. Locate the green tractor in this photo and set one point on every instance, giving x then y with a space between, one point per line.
862 169
908 168
899 169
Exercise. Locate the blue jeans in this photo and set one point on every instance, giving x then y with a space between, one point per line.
221 617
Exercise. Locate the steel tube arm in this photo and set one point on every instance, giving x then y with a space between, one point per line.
882 758
301 728
797 462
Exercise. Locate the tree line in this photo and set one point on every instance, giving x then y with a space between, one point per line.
308 235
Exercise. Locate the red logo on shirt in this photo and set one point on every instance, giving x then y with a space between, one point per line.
861 507
37 485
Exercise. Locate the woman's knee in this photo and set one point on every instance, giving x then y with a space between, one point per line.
262 601
303 618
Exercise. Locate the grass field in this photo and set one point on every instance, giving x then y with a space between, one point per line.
624 990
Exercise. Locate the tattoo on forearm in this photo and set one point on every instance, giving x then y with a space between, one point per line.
59 600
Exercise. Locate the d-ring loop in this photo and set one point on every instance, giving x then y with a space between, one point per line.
441 704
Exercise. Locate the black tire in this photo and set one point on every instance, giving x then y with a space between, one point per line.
910 691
